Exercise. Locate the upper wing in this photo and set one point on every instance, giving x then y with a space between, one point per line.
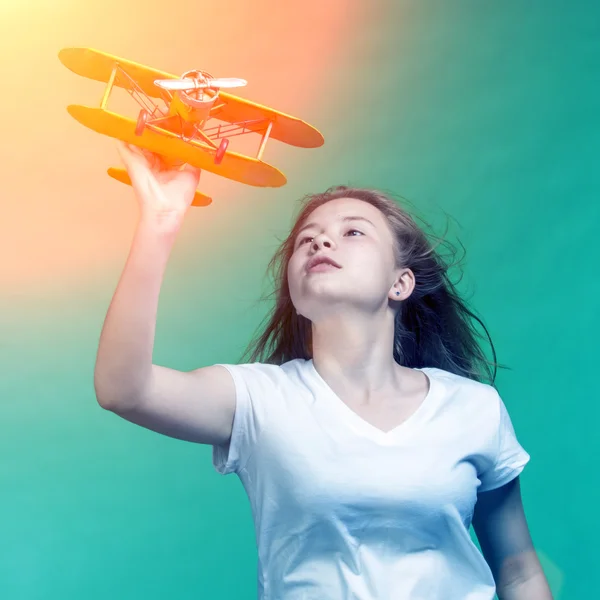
286 128
97 65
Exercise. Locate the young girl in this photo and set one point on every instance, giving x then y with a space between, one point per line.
365 441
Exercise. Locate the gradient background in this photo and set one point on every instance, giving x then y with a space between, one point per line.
485 110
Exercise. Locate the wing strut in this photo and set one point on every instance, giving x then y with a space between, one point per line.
264 140
109 86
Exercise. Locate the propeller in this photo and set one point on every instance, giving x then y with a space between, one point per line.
188 83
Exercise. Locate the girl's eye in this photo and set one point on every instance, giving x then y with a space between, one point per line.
302 240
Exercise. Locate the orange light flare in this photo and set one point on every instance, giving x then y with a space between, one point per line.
63 217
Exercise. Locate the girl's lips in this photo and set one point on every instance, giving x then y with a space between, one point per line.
322 267
321 258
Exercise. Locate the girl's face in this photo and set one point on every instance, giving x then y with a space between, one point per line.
357 237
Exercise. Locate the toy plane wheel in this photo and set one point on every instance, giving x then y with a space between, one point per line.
221 151
141 122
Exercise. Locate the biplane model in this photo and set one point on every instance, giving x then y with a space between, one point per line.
186 119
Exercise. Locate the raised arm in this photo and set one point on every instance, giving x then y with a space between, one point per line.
197 406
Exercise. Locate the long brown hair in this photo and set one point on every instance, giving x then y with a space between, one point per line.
432 327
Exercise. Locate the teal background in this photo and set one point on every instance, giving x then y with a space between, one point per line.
485 110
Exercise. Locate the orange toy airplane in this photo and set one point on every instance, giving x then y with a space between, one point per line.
177 129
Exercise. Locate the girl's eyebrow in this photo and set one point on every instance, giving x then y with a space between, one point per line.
351 218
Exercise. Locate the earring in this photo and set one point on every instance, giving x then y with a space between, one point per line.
397 293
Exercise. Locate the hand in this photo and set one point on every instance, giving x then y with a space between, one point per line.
164 193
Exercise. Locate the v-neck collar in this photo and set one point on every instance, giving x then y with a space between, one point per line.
363 426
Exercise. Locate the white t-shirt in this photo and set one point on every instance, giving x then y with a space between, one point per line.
344 511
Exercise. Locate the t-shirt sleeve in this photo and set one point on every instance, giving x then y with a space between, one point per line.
232 456
510 457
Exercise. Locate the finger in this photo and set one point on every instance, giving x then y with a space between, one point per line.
131 152
194 172
150 157
121 146
137 151
190 169
124 152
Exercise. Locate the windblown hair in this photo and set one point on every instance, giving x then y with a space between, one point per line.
433 326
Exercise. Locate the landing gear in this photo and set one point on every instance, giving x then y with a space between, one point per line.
221 151
141 122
